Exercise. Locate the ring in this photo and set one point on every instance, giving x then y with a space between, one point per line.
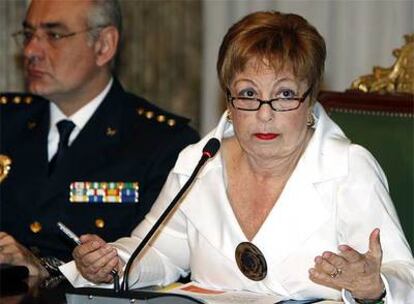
336 273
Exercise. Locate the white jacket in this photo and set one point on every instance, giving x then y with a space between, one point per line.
336 195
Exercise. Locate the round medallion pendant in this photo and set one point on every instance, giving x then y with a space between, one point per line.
251 261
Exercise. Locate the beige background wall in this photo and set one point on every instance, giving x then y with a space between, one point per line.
172 45
160 56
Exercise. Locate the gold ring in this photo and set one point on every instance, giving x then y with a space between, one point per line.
334 274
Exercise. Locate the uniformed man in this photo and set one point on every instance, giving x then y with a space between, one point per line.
86 153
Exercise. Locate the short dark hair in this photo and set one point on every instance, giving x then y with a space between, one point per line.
105 12
280 40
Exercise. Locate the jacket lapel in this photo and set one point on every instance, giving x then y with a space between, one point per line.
30 153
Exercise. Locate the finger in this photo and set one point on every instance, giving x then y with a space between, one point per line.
98 262
111 265
322 278
5 258
90 237
2 235
6 239
101 273
87 248
324 266
97 278
334 259
375 248
120 267
106 278
349 254
13 249
11 255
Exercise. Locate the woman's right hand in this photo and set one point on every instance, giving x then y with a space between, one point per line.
95 259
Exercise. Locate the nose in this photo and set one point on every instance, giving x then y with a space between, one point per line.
33 50
265 113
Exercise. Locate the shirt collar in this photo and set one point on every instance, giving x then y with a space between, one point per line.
82 116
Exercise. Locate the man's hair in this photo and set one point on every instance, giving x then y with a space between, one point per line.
276 39
104 13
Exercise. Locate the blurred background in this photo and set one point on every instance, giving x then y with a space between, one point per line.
170 46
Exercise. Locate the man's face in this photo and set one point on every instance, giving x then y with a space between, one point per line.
59 69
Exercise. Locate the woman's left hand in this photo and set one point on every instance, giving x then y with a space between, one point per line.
359 273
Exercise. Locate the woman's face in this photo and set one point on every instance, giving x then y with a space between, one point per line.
267 134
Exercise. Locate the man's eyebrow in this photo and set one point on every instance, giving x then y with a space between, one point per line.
46 25
27 25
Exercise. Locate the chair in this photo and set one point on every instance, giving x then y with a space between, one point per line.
384 124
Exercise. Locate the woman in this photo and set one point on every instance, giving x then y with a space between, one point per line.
287 185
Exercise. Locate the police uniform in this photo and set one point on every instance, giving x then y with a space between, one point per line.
107 180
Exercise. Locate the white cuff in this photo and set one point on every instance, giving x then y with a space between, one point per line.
70 271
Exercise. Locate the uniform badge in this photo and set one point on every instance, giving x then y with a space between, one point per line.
5 165
104 192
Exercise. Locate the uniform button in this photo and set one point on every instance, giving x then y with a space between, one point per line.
149 114
171 122
99 223
3 100
35 227
17 99
28 100
161 118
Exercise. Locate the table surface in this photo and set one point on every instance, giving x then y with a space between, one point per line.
31 291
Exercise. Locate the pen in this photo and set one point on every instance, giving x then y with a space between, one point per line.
71 235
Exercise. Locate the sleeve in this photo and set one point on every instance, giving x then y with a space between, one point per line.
167 256
363 204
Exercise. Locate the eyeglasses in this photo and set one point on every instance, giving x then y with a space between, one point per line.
280 104
25 36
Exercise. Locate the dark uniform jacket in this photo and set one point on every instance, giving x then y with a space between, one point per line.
126 140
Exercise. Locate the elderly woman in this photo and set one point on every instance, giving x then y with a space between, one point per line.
286 186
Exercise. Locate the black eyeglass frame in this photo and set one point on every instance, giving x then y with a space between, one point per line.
269 102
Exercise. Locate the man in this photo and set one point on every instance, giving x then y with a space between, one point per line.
99 170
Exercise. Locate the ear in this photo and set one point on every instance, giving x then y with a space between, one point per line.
106 45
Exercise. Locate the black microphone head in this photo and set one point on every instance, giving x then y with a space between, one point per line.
211 147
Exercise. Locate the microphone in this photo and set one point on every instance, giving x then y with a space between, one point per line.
97 295
209 150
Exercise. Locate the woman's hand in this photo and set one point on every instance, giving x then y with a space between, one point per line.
359 273
95 259
12 252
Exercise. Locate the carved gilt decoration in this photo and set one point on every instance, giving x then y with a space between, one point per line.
399 78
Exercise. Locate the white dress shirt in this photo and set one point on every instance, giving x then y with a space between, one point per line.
79 118
336 195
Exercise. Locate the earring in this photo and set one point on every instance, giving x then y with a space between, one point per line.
310 122
228 117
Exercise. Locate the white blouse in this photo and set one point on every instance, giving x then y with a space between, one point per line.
336 195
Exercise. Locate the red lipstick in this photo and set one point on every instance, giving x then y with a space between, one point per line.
266 136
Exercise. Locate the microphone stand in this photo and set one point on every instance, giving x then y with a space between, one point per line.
102 296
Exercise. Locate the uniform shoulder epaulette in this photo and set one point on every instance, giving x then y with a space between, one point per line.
160 116
13 98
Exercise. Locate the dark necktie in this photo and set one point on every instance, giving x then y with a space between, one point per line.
65 127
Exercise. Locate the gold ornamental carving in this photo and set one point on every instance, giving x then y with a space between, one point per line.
399 78
5 163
